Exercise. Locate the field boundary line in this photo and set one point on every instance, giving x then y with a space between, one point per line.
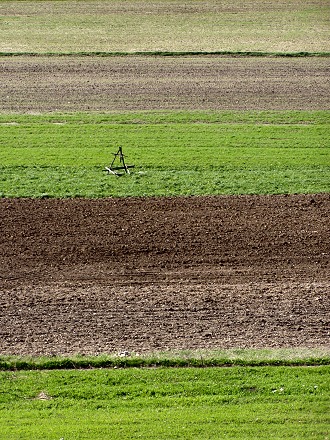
8 363
170 54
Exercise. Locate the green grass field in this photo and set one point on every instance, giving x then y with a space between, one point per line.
177 153
240 403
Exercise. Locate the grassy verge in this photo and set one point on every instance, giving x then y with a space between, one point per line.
186 358
175 153
240 403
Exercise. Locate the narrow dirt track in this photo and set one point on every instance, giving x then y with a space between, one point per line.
95 276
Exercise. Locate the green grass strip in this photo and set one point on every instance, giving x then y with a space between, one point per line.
156 53
175 359
174 153
269 117
162 403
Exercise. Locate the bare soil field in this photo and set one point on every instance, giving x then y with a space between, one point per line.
48 84
97 276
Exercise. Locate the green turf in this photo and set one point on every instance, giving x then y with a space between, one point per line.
240 403
178 153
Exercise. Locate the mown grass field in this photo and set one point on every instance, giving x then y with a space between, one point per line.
173 153
240 403
133 25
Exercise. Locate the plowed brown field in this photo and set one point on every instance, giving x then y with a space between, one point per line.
95 276
47 84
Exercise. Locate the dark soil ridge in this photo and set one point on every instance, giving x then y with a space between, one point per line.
142 274
227 53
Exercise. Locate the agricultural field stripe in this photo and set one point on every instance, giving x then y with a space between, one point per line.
10 363
171 54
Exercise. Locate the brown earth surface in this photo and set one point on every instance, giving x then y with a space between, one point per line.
47 84
143 274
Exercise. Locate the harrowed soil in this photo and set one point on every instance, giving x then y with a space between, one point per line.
69 84
143 274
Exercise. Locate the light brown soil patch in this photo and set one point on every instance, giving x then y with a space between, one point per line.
95 276
41 84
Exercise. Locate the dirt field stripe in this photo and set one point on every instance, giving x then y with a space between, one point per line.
172 54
